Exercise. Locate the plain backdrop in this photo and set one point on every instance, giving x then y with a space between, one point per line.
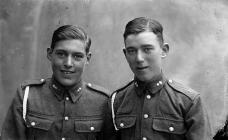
196 30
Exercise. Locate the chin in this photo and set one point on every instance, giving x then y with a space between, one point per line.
145 78
67 83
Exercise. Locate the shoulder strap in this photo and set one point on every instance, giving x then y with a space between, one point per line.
98 89
112 108
25 102
124 86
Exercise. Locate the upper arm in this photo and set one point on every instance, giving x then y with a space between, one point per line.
197 121
14 125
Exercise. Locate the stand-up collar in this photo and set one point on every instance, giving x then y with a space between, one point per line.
60 91
151 87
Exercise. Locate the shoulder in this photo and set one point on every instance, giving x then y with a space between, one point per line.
123 88
98 89
184 90
33 82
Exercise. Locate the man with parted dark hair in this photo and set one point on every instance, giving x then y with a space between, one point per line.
62 107
152 107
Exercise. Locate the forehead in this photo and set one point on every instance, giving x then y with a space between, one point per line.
144 38
73 45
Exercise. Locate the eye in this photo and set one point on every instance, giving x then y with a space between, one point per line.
78 56
131 51
147 50
60 54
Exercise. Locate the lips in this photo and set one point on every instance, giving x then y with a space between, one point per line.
67 72
141 68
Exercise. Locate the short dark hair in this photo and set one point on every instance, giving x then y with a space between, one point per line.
68 32
143 24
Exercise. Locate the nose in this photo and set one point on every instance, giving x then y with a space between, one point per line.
140 56
68 62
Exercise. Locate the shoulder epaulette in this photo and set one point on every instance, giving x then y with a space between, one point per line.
182 89
98 89
33 82
125 86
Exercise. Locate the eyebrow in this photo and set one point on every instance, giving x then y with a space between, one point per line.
147 45
62 50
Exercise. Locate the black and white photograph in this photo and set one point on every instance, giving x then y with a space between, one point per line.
113 70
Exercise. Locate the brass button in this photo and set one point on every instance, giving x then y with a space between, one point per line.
171 129
148 96
33 123
121 124
145 116
66 118
89 84
92 128
170 81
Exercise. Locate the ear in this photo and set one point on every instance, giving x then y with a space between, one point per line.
124 51
88 57
49 52
165 50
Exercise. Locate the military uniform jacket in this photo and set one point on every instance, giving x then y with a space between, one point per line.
160 110
54 113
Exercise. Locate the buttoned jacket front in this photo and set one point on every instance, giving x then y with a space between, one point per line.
160 110
54 113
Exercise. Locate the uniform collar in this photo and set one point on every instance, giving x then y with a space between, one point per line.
151 87
61 92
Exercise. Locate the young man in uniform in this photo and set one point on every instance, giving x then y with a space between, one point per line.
62 107
151 107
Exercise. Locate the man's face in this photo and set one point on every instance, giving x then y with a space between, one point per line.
144 54
68 59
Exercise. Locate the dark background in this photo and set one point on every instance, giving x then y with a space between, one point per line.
197 31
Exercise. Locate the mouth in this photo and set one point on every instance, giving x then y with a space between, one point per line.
67 72
141 68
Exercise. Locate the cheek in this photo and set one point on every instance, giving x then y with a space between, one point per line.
80 65
154 60
130 60
56 64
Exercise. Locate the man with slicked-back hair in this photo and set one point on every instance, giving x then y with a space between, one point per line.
62 107
151 106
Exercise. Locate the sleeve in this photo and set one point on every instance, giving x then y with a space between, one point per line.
197 121
109 131
14 127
